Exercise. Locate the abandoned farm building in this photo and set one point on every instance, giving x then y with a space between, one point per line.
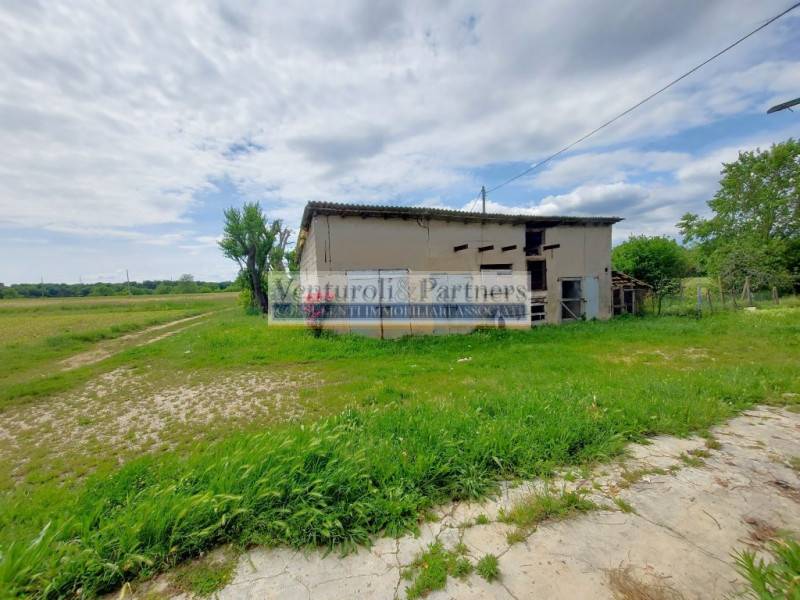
567 259
629 293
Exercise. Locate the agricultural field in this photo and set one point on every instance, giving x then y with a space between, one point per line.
41 340
221 429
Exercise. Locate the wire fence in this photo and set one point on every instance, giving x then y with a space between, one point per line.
704 296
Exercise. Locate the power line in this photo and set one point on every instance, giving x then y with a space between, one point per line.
473 202
648 98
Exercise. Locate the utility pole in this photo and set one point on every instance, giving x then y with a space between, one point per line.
483 198
128 279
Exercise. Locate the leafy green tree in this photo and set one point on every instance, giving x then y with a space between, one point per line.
256 245
658 261
754 229
186 285
7 292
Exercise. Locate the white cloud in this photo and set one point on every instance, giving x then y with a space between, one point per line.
607 167
611 199
114 117
652 209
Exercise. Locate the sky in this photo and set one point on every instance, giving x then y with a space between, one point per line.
127 128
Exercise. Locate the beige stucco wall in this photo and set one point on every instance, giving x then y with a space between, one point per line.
308 258
336 243
585 251
352 243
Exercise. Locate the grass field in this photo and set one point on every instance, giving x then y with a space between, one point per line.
35 335
230 431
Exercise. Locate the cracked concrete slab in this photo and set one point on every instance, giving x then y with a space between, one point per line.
687 519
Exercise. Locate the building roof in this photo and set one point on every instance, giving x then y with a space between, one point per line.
620 279
415 212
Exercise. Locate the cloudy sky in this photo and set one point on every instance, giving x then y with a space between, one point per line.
127 127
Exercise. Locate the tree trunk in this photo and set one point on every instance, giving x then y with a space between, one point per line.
255 282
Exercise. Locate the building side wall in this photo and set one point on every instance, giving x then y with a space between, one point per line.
308 258
584 251
353 243
336 243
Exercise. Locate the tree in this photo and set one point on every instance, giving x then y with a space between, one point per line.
186 284
755 224
658 261
257 247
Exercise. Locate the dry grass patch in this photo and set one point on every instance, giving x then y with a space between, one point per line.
761 531
629 477
625 586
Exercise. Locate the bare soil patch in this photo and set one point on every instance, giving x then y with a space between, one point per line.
125 412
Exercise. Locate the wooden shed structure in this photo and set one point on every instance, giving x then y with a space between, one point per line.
628 293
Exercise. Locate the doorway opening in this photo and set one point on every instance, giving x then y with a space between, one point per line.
571 299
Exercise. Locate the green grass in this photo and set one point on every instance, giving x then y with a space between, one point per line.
776 579
624 506
488 567
691 461
393 428
533 509
205 576
430 569
35 335
686 304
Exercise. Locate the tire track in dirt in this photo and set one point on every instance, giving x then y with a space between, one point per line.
108 349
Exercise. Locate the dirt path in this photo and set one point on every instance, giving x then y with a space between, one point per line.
689 515
109 348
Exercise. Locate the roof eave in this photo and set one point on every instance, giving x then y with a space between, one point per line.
331 208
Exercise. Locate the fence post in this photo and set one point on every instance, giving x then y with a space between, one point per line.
775 298
710 304
699 309
721 292
746 292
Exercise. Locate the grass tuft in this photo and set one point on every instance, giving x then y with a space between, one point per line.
629 477
700 453
536 508
527 513
624 505
488 567
691 461
775 579
205 576
430 570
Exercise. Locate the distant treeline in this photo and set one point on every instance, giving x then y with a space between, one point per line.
185 285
